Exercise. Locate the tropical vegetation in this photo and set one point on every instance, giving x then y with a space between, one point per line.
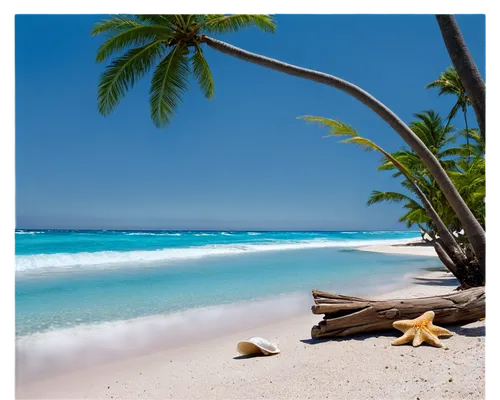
174 46
423 201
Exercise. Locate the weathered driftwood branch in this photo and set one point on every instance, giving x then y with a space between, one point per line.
345 315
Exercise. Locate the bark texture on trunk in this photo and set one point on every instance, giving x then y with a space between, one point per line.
447 260
473 229
465 67
345 315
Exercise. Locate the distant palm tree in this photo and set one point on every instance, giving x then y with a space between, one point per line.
449 83
478 147
168 40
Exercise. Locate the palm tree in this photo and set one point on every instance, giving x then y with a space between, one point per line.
471 177
465 66
439 140
451 254
449 83
168 39
477 147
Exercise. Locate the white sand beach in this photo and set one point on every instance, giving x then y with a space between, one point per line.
360 367
412 247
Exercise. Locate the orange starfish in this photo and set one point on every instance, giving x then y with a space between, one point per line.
420 330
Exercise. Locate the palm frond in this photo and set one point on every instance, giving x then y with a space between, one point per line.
114 24
202 72
337 128
192 20
415 216
390 197
386 165
179 20
167 20
121 75
448 82
138 35
478 146
219 23
365 144
453 152
169 82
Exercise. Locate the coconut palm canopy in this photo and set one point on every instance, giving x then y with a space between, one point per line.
169 44
449 83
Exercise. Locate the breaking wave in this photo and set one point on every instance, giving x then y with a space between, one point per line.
106 258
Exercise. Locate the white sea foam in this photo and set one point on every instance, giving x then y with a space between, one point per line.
40 262
28 233
254 233
204 234
152 234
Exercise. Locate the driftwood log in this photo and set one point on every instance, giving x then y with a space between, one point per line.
346 315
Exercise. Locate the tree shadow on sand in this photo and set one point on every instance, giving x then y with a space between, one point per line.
478 331
244 357
436 269
436 282
359 337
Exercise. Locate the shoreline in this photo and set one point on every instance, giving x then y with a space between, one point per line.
414 247
358 367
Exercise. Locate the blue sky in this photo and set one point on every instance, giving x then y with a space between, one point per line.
240 161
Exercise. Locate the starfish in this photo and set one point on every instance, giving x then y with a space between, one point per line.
420 330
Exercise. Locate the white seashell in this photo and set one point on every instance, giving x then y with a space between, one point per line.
256 345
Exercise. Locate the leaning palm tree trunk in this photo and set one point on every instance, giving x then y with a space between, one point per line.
473 229
451 255
465 66
467 135
445 235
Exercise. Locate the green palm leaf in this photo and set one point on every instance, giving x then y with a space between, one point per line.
169 81
202 72
114 24
415 216
365 144
337 128
453 152
138 35
449 83
390 197
477 145
167 20
121 75
219 23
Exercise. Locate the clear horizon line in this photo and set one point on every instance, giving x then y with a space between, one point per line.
218 230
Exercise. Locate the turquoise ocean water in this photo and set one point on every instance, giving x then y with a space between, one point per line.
71 278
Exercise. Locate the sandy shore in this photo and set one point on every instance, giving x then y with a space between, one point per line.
412 247
363 367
